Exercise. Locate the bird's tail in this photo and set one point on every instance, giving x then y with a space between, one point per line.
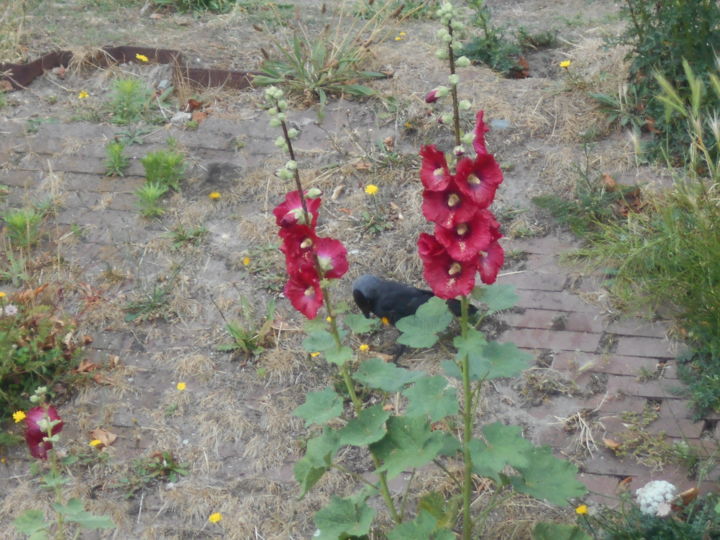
454 306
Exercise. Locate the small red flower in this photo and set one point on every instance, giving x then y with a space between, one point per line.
332 257
304 292
447 277
446 208
432 96
290 212
434 172
34 434
298 244
480 130
478 179
465 241
490 263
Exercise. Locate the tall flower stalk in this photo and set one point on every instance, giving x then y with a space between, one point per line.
311 261
456 198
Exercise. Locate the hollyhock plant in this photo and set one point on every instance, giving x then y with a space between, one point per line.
36 430
448 207
304 292
478 179
465 240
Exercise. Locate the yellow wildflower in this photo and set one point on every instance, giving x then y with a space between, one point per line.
83 94
565 64
181 386
328 318
18 416
142 57
314 354
3 460
403 34
214 195
246 261
215 517
364 347
371 189
385 321
2 294
95 442
581 510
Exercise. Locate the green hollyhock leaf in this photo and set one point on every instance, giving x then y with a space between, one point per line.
487 360
366 428
547 477
444 510
359 324
319 341
76 513
559 531
496 297
420 330
424 526
338 355
431 396
503 445
385 376
317 459
409 443
319 407
32 523
342 518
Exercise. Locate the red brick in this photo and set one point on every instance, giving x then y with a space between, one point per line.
643 346
527 279
620 404
529 338
630 386
606 463
626 365
638 327
681 427
676 408
600 483
549 319
561 301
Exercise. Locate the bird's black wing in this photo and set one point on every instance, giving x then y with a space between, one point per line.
396 301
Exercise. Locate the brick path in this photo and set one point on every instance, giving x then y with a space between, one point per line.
575 335
585 345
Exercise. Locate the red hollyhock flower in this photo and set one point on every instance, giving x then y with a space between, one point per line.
290 212
478 179
303 291
298 244
465 241
490 263
332 257
446 208
447 277
34 434
480 130
434 172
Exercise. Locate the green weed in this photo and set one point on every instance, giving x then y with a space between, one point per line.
182 237
216 6
116 161
164 167
318 66
160 466
149 195
130 100
248 337
23 226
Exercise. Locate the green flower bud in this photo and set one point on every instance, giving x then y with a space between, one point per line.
313 193
463 61
291 165
272 111
446 118
282 105
280 142
442 54
274 122
456 46
442 91
292 133
454 79
468 138
281 116
464 105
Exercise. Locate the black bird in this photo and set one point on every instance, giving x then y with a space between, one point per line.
392 299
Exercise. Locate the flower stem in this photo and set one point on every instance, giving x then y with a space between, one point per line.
467 427
57 489
453 89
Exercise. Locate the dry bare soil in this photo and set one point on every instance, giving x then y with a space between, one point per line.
232 425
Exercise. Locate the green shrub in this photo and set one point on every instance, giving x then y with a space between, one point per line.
35 350
23 226
662 35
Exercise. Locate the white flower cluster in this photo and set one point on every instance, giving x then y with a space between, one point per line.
654 497
9 311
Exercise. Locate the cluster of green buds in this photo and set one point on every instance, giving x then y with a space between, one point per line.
39 395
277 109
450 34
288 171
